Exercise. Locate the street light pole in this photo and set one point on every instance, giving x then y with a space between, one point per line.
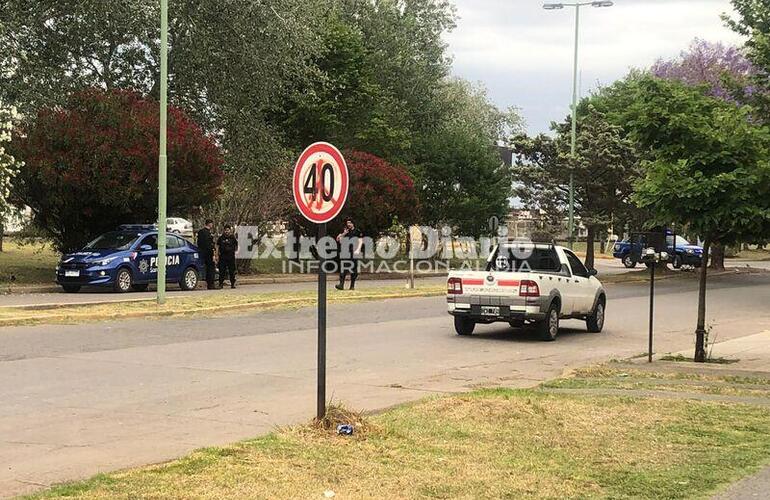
161 263
573 139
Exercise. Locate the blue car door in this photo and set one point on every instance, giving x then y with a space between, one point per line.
187 255
146 260
174 258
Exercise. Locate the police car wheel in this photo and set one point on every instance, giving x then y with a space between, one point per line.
629 262
189 279
123 281
677 262
71 288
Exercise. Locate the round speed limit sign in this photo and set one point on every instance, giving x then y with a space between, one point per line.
320 183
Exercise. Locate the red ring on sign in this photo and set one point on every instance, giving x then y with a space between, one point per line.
341 166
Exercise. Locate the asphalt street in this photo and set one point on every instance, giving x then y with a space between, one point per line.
83 399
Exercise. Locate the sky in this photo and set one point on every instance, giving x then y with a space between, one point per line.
523 54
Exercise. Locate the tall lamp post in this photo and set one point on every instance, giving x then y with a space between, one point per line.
161 298
577 5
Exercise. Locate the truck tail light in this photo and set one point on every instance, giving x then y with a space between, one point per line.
529 288
454 286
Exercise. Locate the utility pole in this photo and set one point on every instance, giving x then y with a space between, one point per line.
161 298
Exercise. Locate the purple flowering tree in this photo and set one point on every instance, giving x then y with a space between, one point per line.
724 69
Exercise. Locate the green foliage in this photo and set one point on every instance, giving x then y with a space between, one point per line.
605 167
459 172
707 165
751 19
268 78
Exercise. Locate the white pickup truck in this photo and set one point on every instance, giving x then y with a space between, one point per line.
527 283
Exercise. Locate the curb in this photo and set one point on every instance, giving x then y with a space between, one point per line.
6 289
213 309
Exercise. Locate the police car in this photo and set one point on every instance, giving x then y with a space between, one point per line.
127 259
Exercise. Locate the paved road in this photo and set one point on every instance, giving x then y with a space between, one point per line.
78 400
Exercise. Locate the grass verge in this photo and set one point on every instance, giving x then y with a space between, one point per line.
487 444
25 264
205 304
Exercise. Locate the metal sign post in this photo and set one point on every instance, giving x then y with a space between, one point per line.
320 186
321 390
652 308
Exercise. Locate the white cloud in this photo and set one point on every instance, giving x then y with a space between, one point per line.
524 53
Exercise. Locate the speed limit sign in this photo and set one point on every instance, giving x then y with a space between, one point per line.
320 183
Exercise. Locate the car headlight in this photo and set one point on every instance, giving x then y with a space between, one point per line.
690 251
102 262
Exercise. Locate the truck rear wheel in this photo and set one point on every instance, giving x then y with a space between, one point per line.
548 329
464 326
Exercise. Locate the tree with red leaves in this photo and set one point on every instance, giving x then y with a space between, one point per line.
379 193
93 165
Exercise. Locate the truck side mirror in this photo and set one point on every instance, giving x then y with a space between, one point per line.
592 272
145 248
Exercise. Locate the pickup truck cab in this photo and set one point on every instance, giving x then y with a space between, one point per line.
527 283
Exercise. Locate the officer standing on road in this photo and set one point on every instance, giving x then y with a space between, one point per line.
228 246
206 249
350 243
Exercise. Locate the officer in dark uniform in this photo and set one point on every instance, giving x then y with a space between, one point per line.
228 246
206 250
350 242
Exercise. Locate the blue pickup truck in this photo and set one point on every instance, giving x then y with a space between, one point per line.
684 253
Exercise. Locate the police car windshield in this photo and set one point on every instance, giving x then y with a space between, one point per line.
114 240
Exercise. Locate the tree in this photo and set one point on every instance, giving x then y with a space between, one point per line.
708 168
379 193
604 169
721 71
460 176
9 166
92 165
724 71
752 20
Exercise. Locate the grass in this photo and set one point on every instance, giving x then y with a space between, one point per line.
495 443
27 263
684 359
754 254
606 377
204 304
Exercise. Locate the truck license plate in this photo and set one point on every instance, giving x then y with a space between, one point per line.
490 311
71 274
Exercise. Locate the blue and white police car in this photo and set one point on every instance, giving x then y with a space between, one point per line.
127 259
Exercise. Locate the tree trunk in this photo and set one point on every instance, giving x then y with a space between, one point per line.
590 237
700 330
717 257
2 233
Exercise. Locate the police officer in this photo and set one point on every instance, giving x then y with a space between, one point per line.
228 246
206 250
350 241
